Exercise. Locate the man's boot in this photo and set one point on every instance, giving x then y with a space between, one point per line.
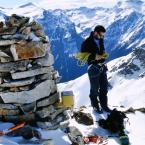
106 109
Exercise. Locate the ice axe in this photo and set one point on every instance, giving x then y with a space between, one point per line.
15 127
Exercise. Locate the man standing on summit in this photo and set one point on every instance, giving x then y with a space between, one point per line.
94 45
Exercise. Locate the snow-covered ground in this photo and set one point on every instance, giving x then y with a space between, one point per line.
127 91
135 131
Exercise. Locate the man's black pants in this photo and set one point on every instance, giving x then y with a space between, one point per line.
98 85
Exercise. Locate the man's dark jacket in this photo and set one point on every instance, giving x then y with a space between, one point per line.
90 46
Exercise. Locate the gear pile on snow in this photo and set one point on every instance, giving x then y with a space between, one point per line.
28 90
115 124
77 137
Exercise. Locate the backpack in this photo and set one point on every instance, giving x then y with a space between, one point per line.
114 122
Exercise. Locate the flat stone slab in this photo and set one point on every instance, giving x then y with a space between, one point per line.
8 106
56 113
45 77
18 83
18 118
9 112
56 123
40 91
27 50
28 107
1 80
14 66
46 111
31 73
5 58
6 42
24 88
47 60
50 112
48 100
5 54
8 30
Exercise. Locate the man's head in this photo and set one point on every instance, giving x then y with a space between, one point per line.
99 32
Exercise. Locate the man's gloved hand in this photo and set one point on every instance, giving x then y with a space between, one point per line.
105 55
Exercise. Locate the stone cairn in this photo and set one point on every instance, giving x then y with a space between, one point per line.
28 90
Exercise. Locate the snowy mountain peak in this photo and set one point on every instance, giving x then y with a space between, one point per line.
132 65
27 5
136 4
134 1
2 8
29 9
129 2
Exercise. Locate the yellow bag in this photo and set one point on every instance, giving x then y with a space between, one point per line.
67 100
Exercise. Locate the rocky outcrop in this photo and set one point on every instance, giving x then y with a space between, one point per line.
134 62
28 90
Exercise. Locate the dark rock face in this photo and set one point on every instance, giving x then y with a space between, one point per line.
133 64
128 68
115 40
140 54
83 118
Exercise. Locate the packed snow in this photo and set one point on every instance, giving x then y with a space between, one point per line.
125 91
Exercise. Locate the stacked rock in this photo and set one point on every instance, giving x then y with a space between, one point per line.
28 90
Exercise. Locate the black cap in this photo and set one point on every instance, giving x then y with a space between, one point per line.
100 28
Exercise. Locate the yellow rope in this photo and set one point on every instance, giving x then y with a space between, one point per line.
82 58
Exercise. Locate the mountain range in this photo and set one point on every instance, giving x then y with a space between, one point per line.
124 40
68 28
